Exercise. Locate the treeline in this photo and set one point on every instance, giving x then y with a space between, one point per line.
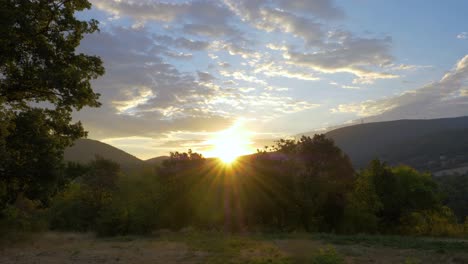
304 185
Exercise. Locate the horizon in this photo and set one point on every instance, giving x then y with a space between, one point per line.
295 137
181 73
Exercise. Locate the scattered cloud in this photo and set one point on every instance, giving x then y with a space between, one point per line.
324 9
196 66
355 55
462 35
446 97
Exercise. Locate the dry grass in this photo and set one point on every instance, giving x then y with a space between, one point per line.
213 247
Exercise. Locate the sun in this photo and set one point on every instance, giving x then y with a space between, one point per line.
229 144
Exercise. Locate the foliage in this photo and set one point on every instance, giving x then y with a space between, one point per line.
322 178
134 207
105 201
363 205
73 209
190 195
23 216
42 80
78 206
436 222
32 163
327 255
385 198
295 188
38 62
455 193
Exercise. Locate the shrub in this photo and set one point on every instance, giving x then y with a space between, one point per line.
437 222
24 215
73 209
132 209
112 221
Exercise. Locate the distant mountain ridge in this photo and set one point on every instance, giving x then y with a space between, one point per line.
156 160
85 150
428 144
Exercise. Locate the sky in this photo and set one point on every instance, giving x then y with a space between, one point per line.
182 74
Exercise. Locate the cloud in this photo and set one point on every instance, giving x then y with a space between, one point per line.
462 35
198 17
144 95
137 95
224 64
200 11
272 19
344 86
443 98
357 56
235 49
273 69
350 87
197 65
209 30
334 50
205 77
182 42
321 8
407 67
243 76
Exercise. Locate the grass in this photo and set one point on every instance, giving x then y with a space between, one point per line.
401 242
212 247
231 248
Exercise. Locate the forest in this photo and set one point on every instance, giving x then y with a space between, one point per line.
305 185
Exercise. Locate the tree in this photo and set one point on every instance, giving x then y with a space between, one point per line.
38 62
323 177
181 175
455 193
42 80
393 194
32 155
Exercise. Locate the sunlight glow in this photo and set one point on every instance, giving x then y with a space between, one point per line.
230 144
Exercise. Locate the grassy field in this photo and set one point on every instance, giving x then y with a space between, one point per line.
214 247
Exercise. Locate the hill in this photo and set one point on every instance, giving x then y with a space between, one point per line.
433 144
85 150
156 160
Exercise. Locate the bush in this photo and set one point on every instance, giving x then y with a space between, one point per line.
437 222
133 208
23 216
327 255
78 206
121 217
112 221
74 209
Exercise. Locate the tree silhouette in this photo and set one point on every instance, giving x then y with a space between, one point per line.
42 80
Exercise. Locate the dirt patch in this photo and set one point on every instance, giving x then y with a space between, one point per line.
83 248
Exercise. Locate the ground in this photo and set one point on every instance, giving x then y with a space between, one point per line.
214 247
